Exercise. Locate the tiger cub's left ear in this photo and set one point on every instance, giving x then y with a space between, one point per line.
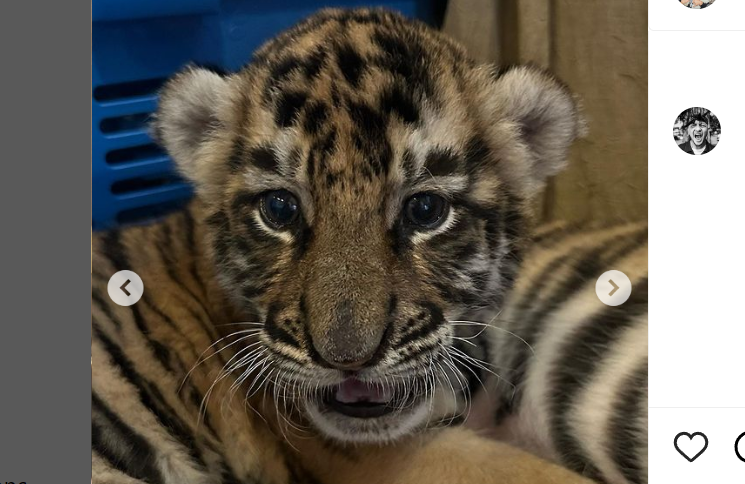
532 119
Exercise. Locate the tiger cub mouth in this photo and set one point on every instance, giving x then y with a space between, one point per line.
362 399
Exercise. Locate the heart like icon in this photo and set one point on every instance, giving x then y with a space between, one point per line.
690 445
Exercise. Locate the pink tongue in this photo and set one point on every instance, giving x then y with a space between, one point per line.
353 390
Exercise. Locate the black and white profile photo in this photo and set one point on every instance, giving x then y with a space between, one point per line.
696 4
696 131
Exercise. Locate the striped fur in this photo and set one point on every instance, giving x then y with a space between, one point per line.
146 421
573 372
583 404
158 418
223 372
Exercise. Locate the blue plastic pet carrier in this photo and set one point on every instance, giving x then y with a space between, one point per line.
137 44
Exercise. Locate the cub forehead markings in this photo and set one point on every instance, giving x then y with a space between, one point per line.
442 162
260 178
438 165
262 157
351 64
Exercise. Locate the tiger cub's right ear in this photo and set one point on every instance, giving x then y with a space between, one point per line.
192 106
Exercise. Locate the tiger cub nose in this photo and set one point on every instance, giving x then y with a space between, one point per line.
349 343
355 365
344 350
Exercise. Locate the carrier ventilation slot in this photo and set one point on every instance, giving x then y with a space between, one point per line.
134 153
149 212
124 90
129 122
144 183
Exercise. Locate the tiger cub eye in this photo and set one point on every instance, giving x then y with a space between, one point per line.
426 210
279 208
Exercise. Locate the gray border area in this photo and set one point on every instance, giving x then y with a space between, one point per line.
45 206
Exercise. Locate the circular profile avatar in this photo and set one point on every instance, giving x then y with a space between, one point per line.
696 4
696 131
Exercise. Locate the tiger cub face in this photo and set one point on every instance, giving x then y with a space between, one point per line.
367 184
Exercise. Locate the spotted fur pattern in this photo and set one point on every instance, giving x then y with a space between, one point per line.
354 112
246 325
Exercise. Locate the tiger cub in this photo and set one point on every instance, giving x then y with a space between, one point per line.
362 186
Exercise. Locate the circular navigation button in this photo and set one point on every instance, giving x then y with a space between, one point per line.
125 288
613 288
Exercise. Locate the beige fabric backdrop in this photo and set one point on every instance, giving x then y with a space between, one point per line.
599 48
